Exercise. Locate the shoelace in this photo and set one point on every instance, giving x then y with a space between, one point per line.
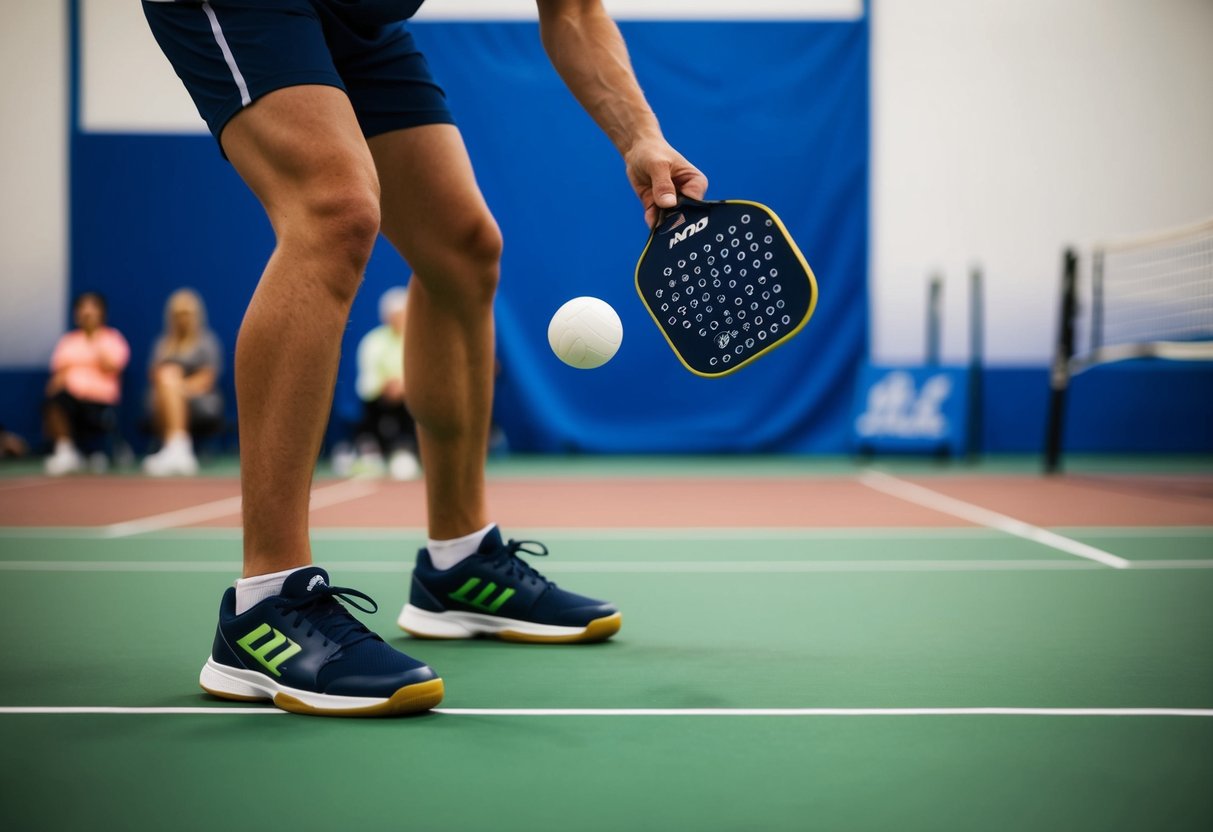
323 612
517 567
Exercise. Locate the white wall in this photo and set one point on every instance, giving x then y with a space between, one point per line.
126 83
33 181
129 86
1005 129
1002 130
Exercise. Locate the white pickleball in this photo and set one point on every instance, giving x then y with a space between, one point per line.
585 333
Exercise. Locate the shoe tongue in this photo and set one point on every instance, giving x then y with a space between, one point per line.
302 582
491 542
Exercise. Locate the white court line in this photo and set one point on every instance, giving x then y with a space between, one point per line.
694 534
711 712
1205 712
200 513
1172 564
912 493
328 495
761 567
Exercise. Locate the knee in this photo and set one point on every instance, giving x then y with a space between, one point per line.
481 243
468 265
345 222
340 227
168 377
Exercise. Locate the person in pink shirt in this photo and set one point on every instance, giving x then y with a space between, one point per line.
85 383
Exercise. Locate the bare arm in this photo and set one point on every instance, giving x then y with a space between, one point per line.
587 50
112 353
56 382
200 383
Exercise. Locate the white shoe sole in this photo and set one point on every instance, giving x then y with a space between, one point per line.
185 468
251 686
58 467
453 624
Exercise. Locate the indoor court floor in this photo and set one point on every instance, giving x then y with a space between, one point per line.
806 644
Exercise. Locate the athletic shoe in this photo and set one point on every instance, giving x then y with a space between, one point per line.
369 465
496 593
175 459
65 460
306 652
403 465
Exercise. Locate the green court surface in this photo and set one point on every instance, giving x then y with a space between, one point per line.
716 626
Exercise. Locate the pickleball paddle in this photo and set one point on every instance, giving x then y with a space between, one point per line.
725 283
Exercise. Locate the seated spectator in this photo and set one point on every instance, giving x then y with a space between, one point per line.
183 400
387 429
85 385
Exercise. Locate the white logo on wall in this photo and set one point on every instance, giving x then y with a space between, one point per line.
896 408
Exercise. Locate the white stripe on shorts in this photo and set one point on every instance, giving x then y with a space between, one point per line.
245 100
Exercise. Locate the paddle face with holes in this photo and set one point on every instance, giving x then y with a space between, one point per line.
725 282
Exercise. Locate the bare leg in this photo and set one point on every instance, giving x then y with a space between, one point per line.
169 400
434 215
301 152
56 424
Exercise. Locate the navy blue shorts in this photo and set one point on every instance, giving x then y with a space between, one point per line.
229 53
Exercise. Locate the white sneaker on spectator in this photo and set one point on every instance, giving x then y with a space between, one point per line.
175 459
403 465
65 460
368 465
343 459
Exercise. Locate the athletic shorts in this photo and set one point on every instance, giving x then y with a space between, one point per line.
229 53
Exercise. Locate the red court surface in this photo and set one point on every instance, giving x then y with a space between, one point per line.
643 502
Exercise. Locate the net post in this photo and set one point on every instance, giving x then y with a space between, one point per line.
976 360
934 318
1059 377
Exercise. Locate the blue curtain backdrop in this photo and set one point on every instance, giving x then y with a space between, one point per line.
773 111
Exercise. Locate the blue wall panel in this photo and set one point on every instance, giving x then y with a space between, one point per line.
771 111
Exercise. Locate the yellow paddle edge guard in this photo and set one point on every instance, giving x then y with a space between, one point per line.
808 270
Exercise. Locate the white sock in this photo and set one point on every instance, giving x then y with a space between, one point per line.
251 591
178 442
64 446
448 553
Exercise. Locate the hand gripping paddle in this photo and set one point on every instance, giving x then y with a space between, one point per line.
725 282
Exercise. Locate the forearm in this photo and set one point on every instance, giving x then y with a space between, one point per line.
56 382
107 364
200 383
112 358
588 52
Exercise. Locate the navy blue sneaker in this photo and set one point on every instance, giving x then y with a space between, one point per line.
496 593
306 652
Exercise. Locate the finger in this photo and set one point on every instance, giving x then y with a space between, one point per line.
663 186
692 183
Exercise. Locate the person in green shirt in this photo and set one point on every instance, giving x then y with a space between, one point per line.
387 429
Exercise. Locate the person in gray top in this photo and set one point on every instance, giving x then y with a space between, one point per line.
184 398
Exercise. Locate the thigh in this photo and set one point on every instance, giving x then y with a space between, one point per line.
65 403
432 207
300 145
87 419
